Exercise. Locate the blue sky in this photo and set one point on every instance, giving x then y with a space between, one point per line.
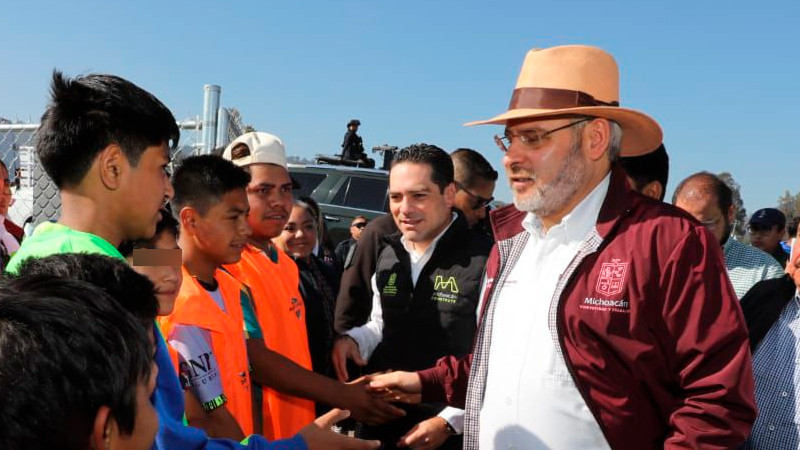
720 78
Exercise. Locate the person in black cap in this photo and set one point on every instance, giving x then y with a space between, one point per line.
767 227
648 173
353 147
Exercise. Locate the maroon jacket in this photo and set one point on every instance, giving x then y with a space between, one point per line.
649 326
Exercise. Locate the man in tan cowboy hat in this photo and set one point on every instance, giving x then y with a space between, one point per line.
607 318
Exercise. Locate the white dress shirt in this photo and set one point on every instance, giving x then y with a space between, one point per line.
369 335
531 401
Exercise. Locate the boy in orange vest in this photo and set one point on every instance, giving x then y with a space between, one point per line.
206 325
280 359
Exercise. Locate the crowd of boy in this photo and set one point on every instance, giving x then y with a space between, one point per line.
189 310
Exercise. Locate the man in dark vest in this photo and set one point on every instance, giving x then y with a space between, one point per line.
426 285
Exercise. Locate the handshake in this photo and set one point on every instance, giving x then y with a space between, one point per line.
380 388
373 395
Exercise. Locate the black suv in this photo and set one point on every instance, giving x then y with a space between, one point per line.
343 193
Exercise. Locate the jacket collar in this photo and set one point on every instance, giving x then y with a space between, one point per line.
507 221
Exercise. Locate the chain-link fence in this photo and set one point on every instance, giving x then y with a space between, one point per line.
35 197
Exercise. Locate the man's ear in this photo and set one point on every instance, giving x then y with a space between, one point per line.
100 439
731 213
596 136
653 189
188 219
111 162
450 195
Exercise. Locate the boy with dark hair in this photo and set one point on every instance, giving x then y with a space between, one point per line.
205 327
207 322
119 200
105 143
134 292
277 341
77 369
159 259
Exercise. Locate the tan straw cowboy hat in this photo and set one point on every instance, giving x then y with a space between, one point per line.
582 80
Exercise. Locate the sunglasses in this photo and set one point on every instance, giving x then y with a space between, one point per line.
478 202
360 225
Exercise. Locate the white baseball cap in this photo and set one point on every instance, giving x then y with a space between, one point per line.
264 148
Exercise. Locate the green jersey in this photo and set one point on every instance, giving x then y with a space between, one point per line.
50 238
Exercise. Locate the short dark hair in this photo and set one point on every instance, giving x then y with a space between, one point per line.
132 290
645 169
710 184
202 181
440 162
470 166
67 349
168 224
88 113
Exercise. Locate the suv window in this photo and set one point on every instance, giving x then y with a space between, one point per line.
308 182
363 193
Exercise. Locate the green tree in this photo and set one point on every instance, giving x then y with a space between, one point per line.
740 213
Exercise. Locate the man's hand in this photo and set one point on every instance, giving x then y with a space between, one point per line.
366 407
318 435
345 348
426 435
404 387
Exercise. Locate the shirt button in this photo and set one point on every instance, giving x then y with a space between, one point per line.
784 394
771 428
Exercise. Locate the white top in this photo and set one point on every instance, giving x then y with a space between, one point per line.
531 401
7 239
369 335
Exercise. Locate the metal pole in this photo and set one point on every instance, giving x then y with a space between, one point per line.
211 94
223 122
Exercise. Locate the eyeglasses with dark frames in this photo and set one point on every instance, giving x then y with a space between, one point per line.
532 139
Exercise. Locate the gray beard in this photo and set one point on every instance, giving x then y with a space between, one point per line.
547 199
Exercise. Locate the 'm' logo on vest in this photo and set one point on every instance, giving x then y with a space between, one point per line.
440 284
390 288
612 277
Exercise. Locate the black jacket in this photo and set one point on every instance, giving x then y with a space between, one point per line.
352 146
340 255
762 305
354 302
318 286
437 316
